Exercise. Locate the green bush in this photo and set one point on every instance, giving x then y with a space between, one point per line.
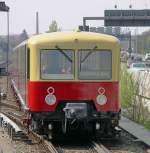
147 125
128 87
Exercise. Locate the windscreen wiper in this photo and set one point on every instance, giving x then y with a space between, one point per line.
86 56
62 52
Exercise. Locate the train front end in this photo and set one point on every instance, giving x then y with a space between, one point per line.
74 83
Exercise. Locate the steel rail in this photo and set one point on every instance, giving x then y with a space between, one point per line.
99 148
9 105
9 121
48 146
91 147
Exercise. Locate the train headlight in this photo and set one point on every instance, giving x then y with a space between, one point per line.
101 99
50 99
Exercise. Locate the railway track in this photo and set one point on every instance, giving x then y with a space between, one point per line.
90 147
34 137
9 105
121 145
79 146
100 148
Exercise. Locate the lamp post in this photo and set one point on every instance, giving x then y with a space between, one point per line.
5 8
130 44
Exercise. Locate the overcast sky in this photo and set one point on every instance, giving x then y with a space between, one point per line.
68 13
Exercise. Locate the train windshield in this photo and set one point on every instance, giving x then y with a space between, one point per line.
57 64
95 64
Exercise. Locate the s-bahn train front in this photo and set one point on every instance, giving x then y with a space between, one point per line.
74 82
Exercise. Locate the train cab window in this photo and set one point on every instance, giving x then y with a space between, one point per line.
95 64
57 64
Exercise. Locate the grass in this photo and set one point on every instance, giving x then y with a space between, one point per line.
147 125
128 86
132 104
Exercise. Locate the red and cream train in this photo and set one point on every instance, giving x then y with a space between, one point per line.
68 81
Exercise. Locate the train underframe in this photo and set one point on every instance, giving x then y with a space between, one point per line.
76 117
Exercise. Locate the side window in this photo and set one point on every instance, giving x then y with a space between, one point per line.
28 63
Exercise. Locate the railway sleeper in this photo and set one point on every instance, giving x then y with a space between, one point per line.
13 130
20 135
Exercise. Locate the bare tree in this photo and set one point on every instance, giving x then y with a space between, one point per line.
54 27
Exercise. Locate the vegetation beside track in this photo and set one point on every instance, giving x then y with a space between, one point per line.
132 102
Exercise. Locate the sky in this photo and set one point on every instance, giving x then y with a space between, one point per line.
67 13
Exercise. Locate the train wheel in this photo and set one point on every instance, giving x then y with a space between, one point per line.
33 125
55 132
36 127
91 131
64 126
50 135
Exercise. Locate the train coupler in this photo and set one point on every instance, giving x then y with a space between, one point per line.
75 110
73 113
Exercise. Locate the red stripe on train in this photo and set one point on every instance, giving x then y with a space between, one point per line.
37 91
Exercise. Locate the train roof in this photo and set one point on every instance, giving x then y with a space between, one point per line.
70 37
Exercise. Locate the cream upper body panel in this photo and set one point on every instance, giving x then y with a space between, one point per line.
71 37
74 41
